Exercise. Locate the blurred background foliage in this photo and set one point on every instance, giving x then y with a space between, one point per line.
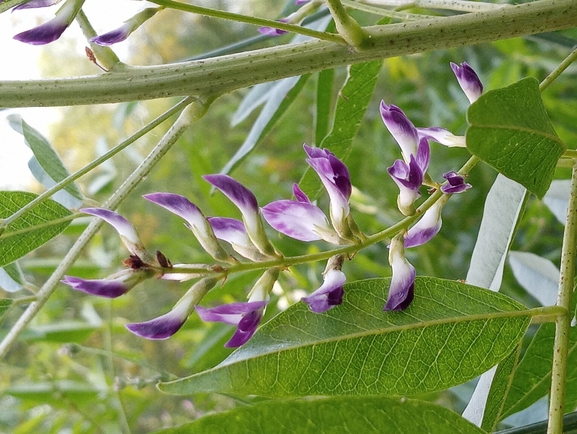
78 370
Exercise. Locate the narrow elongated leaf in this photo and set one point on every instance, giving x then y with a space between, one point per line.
55 391
510 130
557 198
31 230
279 100
503 208
451 333
47 158
539 276
62 197
10 278
325 84
5 304
354 98
257 96
500 387
378 415
533 375
66 331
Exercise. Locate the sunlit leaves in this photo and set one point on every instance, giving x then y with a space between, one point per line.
350 415
510 130
33 229
451 333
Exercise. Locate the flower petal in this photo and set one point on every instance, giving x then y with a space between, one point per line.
468 80
330 293
401 128
36 4
402 289
53 29
426 228
442 136
113 286
456 183
129 26
197 223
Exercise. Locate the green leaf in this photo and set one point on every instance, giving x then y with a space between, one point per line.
354 98
557 198
5 304
10 280
451 333
500 387
510 130
537 275
64 332
55 391
533 375
325 83
379 415
48 158
33 229
279 100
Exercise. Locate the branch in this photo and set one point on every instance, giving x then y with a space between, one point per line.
232 72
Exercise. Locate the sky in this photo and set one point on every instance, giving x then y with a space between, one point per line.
19 61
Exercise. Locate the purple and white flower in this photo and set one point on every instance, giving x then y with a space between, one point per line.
113 286
53 29
300 219
426 228
246 316
401 128
124 31
168 324
402 289
337 181
409 177
468 80
196 221
246 202
127 232
233 232
442 136
455 183
331 292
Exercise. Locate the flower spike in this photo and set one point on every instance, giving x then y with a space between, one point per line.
468 80
168 324
331 292
402 289
53 29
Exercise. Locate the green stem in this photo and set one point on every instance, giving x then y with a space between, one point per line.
71 178
452 5
563 323
105 55
249 20
347 27
189 115
227 73
382 12
558 71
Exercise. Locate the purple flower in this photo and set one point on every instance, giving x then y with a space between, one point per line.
245 315
331 292
337 181
299 219
127 232
51 30
113 286
233 232
401 128
36 4
426 228
442 136
402 289
246 202
455 183
468 80
129 26
196 221
409 177
168 324
271 31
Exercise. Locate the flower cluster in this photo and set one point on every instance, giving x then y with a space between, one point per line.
53 29
410 174
298 218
